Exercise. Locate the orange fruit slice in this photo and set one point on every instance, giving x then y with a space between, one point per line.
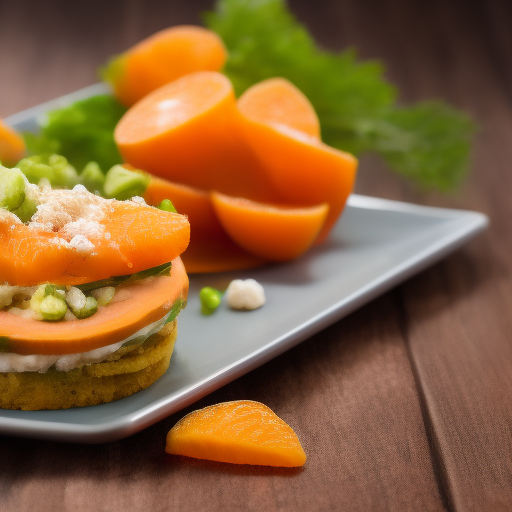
12 145
271 232
162 58
279 103
240 432
302 169
210 248
146 303
127 238
187 132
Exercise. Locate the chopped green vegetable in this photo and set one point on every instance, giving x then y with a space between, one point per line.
82 131
26 210
48 302
90 307
120 183
161 270
210 299
428 143
92 178
178 305
53 308
167 206
54 168
103 295
12 189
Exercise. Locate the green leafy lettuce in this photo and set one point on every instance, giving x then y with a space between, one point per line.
82 132
428 143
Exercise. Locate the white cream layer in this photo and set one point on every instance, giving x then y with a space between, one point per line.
10 362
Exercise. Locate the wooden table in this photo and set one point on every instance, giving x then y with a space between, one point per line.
404 405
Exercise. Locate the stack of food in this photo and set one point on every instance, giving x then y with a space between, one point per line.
90 291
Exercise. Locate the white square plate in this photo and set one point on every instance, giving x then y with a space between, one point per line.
375 245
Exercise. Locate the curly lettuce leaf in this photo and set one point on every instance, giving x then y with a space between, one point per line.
82 131
428 143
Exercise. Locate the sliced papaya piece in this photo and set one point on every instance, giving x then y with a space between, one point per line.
301 168
278 102
188 132
162 58
145 303
240 432
126 238
210 248
272 232
12 145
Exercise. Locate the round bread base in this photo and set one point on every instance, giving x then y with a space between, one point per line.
93 384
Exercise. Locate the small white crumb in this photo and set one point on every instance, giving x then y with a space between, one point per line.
246 294
81 244
138 200
80 188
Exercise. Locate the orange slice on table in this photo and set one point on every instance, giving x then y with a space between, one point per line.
12 145
240 432
210 248
272 232
188 132
162 58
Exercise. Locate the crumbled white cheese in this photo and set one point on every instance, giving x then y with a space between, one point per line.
246 294
76 298
139 200
73 215
81 244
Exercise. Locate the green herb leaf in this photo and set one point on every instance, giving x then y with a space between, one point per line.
161 270
82 131
428 143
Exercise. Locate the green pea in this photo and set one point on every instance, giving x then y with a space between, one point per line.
92 178
12 189
120 183
167 206
210 299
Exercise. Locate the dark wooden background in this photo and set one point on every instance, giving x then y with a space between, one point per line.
404 405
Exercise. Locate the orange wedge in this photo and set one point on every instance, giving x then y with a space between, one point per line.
210 248
162 58
278 102
241 432
12 145
301 168
187 132
272 232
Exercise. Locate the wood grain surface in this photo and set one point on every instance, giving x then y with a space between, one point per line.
405 404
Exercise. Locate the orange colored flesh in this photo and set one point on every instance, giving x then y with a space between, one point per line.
188 132
240 432
303 169
140 238
271 232
12 145
210 248
147 303
166 56
278 102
